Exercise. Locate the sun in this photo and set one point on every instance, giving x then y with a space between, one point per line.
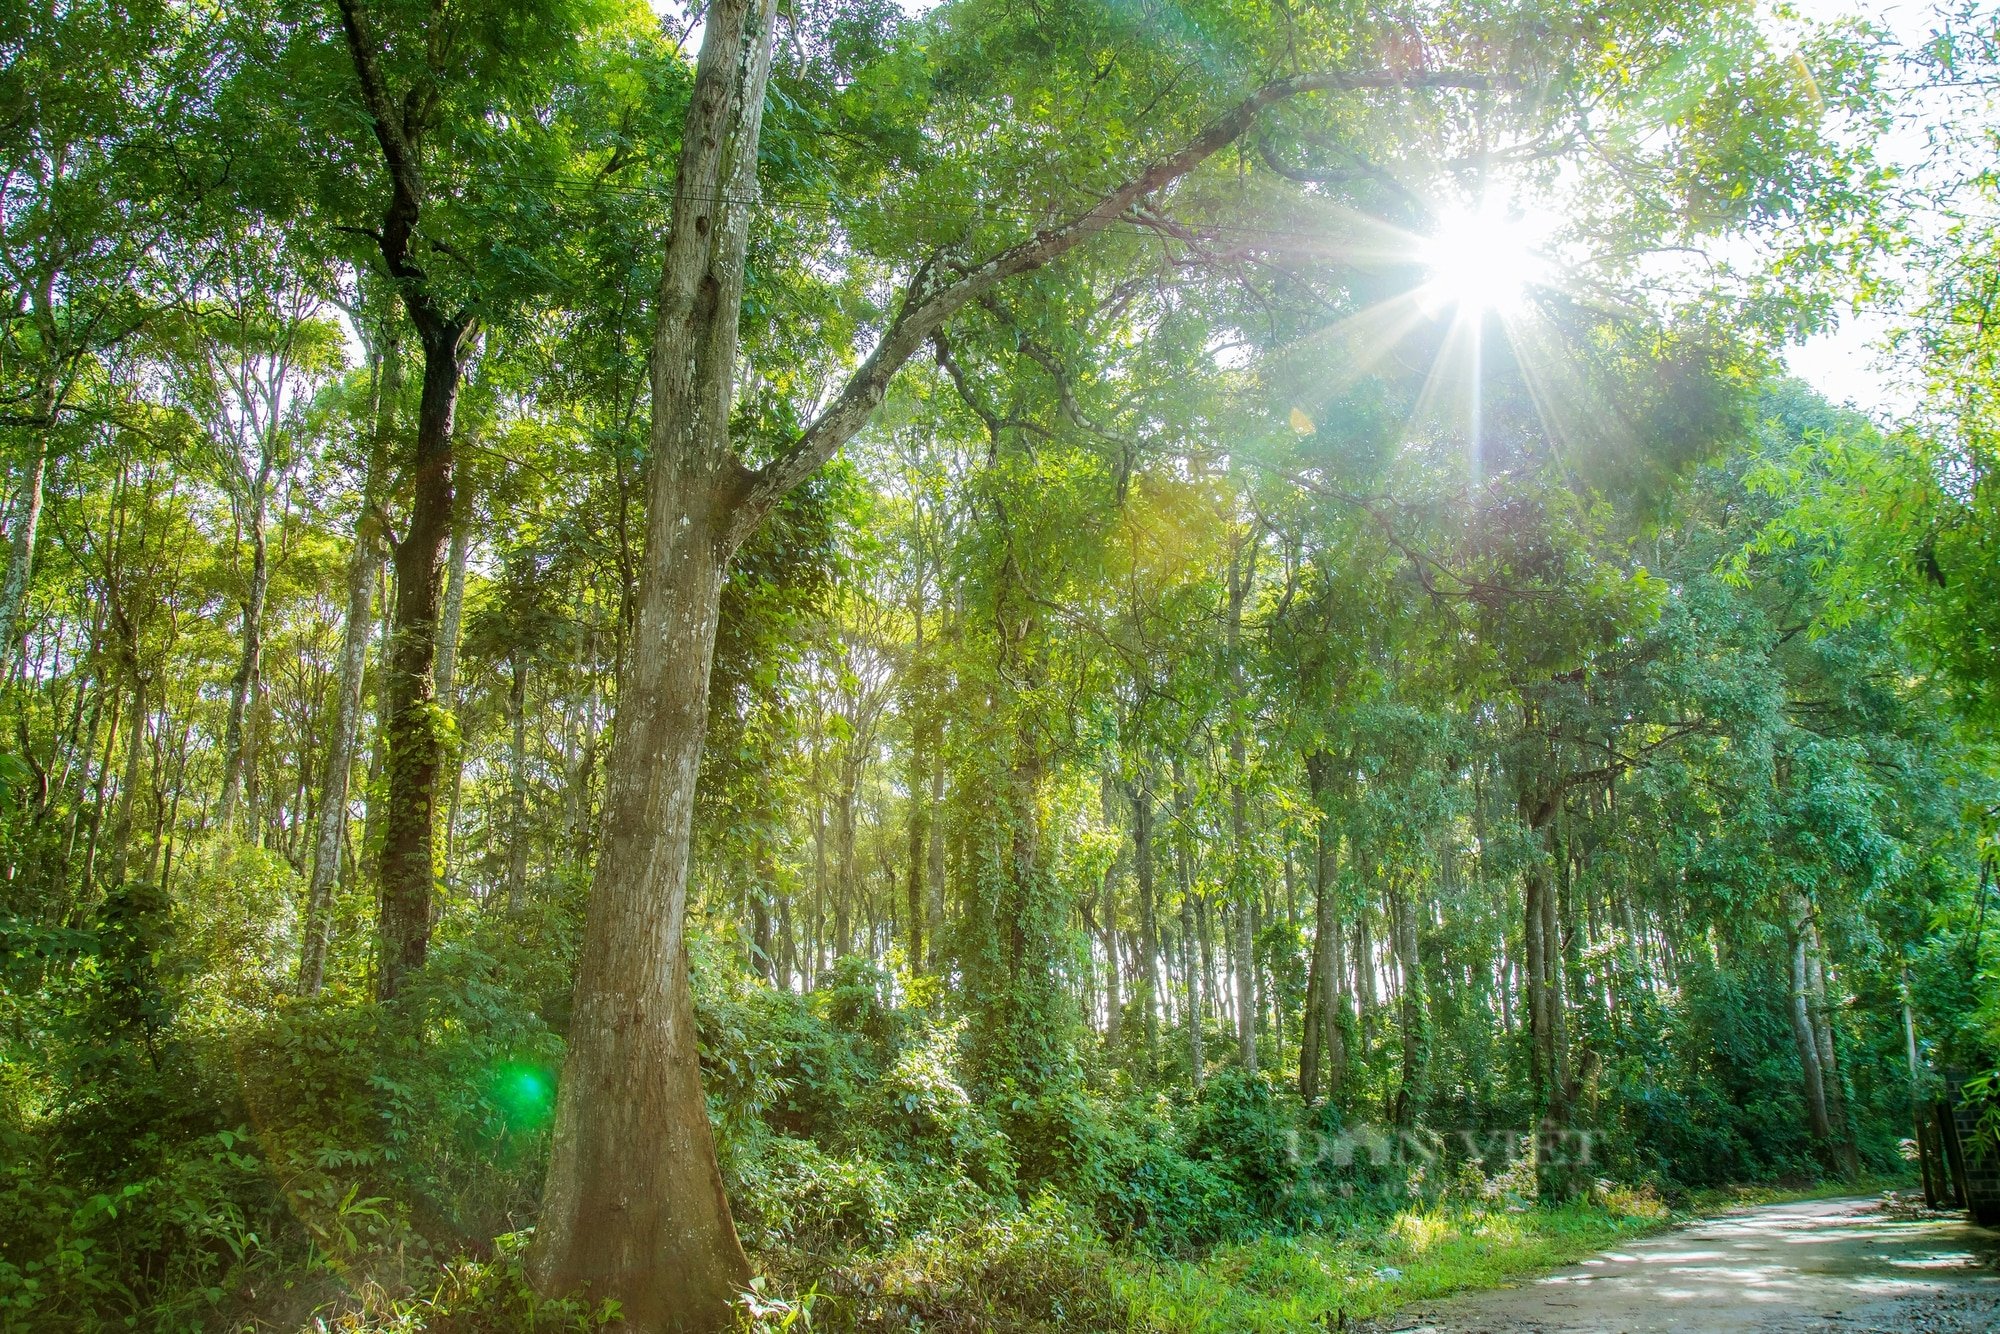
1481 260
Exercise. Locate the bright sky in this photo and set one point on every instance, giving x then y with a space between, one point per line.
1845 364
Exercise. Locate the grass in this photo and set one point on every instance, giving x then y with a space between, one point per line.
1276 1285
1744 1197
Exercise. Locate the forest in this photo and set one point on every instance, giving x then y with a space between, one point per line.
1006 665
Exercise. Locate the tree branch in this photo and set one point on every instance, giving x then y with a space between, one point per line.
925 308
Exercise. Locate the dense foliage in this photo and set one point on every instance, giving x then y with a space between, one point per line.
1251 750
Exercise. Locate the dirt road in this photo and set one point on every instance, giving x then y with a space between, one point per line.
1828 1265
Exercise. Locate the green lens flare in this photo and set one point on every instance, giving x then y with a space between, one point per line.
526 1095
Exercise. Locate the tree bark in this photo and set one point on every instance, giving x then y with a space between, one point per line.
1242 574
239 744
1325 1037
1191 946
517 785
634 1206
1149 931
1845 1147
338 764
935 910
411 728
128 787
444 674
1411 1013
363 569
1114 998
21 547
920 760
1810 1075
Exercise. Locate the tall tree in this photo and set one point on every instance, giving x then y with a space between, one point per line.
634 1206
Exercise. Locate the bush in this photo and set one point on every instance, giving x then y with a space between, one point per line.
1039 1267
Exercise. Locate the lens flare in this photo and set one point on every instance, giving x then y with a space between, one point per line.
526 1096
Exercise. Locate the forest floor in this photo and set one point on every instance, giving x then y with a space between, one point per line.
1848 1265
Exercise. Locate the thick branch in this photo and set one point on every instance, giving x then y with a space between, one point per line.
399 154
925 308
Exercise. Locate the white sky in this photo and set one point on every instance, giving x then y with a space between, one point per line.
1846 364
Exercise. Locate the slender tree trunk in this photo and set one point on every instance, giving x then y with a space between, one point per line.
920 761
239 745
1811 1076
918 897
1114 999
339 760
1149 930
444 673
1829 1056
128 794
410 732
762 945
364 564
517 785
1242 575
1410 1006
935 891
788 944
1364 969
1325 1037
1190 944
21 544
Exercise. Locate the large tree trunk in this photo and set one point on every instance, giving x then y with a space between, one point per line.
410 726
634 1206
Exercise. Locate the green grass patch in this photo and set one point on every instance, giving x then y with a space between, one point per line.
1747 1197
1274 1285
